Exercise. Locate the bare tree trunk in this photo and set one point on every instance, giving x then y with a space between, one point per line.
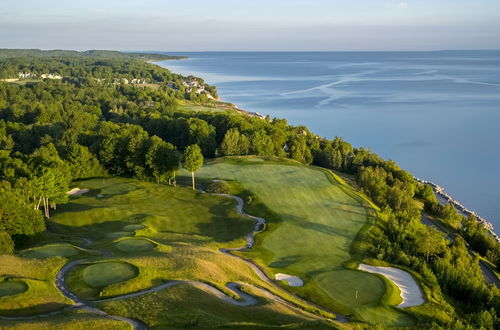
38 204
44 206
47 208
192 178
173 182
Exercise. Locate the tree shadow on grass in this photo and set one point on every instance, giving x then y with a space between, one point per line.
225 228
319 227
33 310
97 230
285 261
225 225
75 207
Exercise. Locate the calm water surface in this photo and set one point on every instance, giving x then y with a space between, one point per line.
437 114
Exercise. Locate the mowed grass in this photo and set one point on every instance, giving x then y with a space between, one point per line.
117 207
177 234
105 273
134 245
313 221
38 275
11 288
62 250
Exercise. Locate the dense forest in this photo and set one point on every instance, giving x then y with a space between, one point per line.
70 115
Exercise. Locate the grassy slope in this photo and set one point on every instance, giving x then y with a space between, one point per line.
185 306
74 320
39 276
313 221
185 228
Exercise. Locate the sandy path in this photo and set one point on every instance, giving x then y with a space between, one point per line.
410 290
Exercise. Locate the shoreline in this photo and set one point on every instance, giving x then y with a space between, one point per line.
220 104
438 190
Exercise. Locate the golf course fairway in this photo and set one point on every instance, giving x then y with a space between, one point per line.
127 250
312 221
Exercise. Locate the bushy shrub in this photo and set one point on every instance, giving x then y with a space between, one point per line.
218 187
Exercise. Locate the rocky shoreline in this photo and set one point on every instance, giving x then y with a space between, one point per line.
440 192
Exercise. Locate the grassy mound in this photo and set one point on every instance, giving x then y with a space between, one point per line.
60 250
134 245
102 274
218 187
133 227
11 288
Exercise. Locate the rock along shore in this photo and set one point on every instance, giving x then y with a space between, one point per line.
440 191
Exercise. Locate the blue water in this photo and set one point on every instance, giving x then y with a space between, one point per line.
437 114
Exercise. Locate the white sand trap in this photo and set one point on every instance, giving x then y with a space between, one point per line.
410 290
291 280
77 191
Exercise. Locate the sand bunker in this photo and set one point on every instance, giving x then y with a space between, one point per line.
291 280
77 191
410 291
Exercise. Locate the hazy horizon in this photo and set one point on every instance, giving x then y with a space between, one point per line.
220 25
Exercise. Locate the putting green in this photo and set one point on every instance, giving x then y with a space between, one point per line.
134 245
11 288
120 234
51 251
105 273
350 288
133 227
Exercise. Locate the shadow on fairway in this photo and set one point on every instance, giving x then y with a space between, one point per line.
96 231
226 226
76 207
285 261
319 227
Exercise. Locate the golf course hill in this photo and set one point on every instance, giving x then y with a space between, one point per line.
133 198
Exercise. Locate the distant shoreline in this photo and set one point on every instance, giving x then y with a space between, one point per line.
437 189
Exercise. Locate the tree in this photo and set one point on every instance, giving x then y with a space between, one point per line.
192 159
234 143
162 160
50 177
6 243
202 134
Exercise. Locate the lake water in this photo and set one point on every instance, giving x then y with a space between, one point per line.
437 114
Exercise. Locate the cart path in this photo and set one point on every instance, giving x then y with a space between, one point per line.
245 298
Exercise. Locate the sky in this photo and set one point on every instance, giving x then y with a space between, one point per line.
250 25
